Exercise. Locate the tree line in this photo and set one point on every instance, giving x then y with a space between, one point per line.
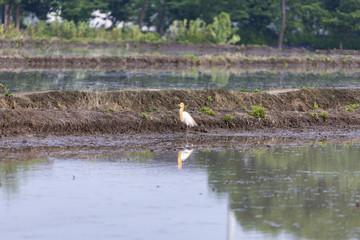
318 24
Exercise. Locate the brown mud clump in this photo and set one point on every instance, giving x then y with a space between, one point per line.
141 111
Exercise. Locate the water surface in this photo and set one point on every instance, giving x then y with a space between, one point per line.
192 79
283 192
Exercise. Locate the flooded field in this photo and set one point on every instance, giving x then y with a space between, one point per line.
31 80
86 165
288 191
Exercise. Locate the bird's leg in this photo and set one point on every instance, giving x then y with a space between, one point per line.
186 132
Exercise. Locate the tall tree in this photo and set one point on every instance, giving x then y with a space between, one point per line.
283 21
343 19
161 17
79 10
142 14
120 10
7 16
39 7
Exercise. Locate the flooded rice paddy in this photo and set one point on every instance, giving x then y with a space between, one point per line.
280 191
192 79
309 191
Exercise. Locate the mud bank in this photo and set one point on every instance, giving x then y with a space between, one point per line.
123 112
177 62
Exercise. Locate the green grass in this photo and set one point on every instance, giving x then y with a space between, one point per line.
207 110
256 90
170 112
258 111
210 99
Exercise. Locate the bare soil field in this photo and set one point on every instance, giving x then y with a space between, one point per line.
121 112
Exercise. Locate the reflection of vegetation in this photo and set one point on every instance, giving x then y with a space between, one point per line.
192 78
221 78
302 191
12 172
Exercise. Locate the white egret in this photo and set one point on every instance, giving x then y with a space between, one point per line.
186 118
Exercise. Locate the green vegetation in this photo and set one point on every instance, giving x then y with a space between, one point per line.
196 31
332 97
258 111
243 90
228 118
315 107
9 104
170 112
209 98
144 116
256 90
351 107
327 24
158 110
314 115
324 115
243 108
207 110
151 109
191 56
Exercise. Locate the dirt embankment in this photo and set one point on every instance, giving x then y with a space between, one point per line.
176 62
181 56
120 112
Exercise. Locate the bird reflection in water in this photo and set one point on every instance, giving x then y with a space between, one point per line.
183 155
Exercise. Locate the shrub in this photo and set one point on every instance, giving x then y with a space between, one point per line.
207 110
243 90
258 111
144 116
315 107
324 115
314 115
228 118
351 107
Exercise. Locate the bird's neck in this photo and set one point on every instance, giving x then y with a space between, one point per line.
181 113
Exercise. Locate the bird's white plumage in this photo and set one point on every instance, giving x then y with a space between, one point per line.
187 119
185 154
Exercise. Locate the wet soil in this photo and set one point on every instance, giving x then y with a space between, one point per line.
166 62
177 56
62 113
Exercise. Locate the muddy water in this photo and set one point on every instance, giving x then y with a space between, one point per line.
192 79
283 192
